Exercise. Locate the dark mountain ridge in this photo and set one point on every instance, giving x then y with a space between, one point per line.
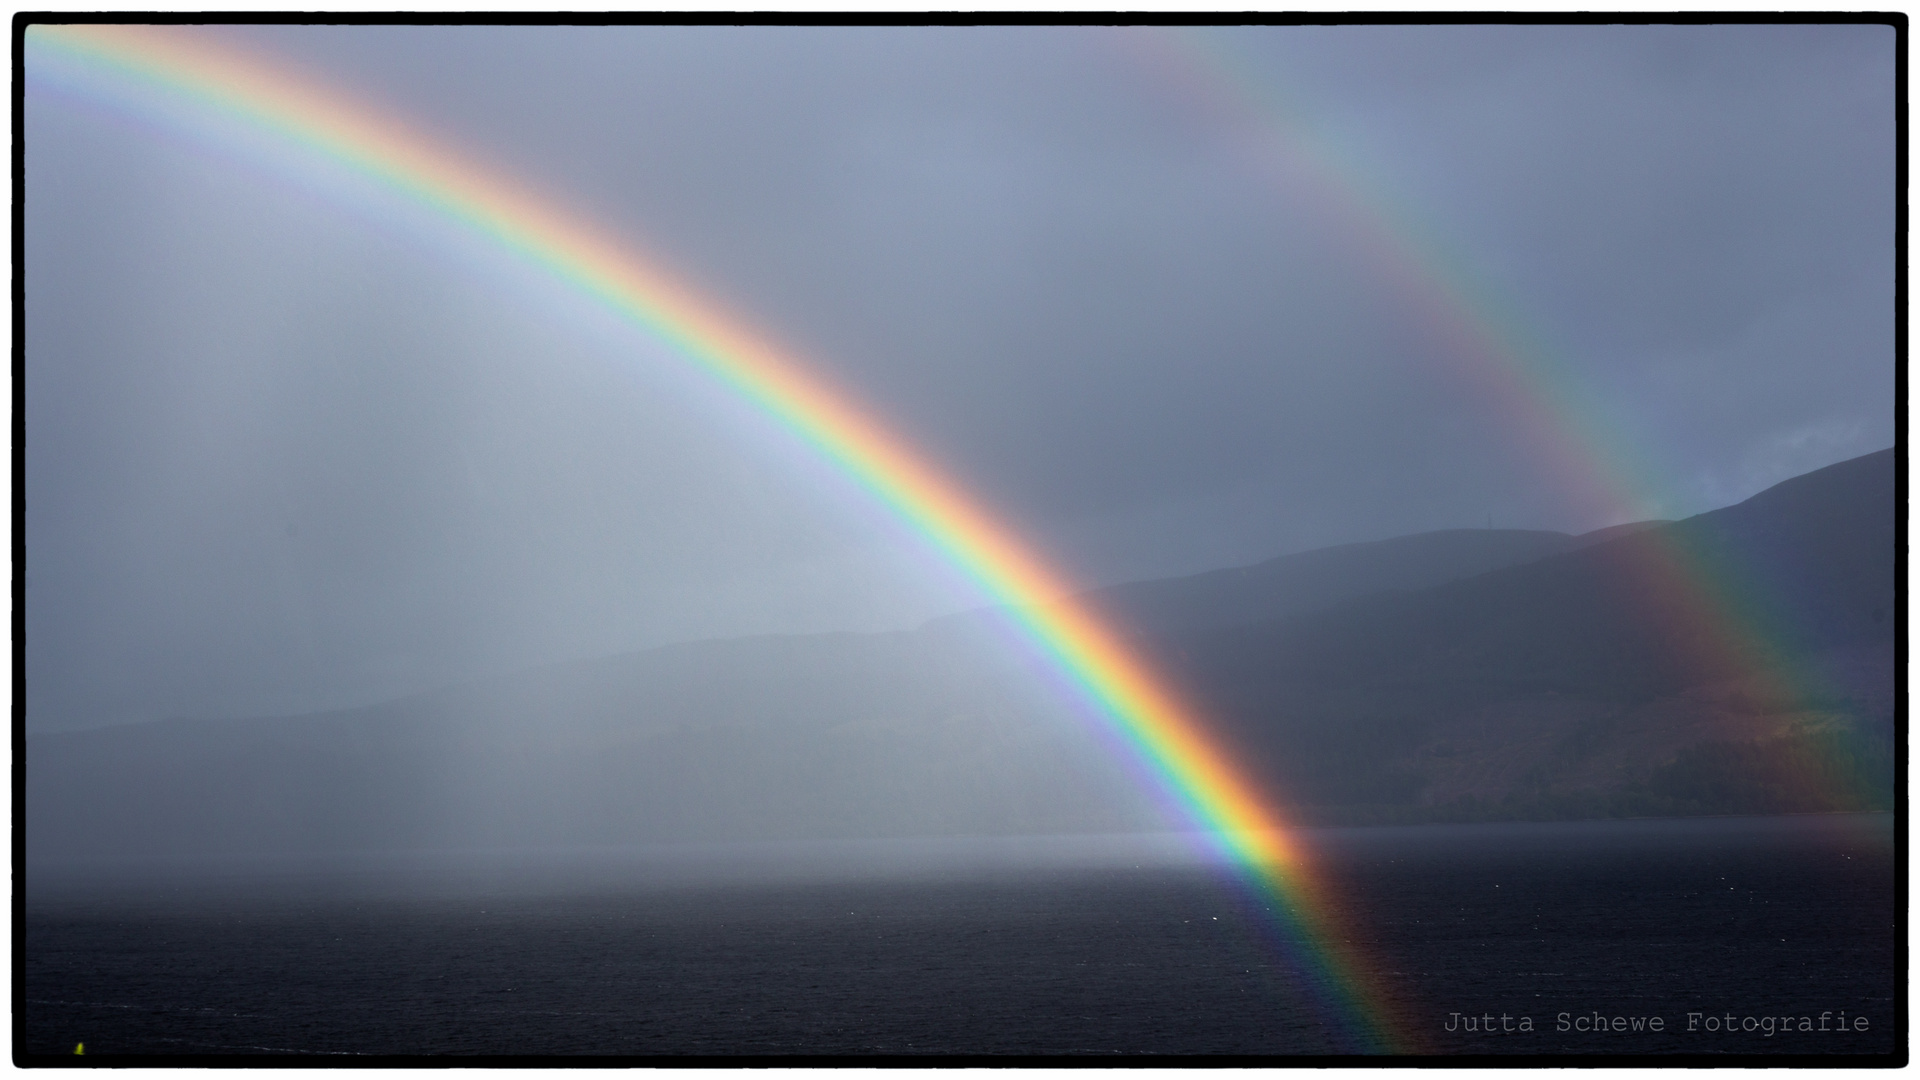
1464 674
1770 620
1321 578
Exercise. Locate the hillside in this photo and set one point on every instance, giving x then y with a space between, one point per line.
1445 676
765 738
1614 679
1324 577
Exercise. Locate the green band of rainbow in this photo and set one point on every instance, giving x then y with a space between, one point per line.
134 61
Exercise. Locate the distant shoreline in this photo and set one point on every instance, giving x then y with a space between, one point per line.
523 871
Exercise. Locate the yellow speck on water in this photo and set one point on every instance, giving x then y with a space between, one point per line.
79 1048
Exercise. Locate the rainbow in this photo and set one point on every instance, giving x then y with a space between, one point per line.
1488 340
134 66
1713 618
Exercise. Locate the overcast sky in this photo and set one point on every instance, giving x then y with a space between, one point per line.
1163 304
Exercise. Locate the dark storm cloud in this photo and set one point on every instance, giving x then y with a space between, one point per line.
281 455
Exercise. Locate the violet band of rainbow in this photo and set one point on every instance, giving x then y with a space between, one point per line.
1163 733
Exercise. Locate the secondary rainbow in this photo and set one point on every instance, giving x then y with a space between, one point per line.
1725 626
130 64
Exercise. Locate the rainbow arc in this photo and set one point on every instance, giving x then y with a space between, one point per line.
133 66
1716 617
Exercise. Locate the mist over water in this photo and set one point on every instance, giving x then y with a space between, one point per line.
563 870
1088 946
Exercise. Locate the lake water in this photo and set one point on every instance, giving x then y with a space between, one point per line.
1569 938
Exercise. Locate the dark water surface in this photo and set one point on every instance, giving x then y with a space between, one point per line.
1743 922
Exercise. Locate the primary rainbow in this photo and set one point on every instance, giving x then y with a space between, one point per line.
130 65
